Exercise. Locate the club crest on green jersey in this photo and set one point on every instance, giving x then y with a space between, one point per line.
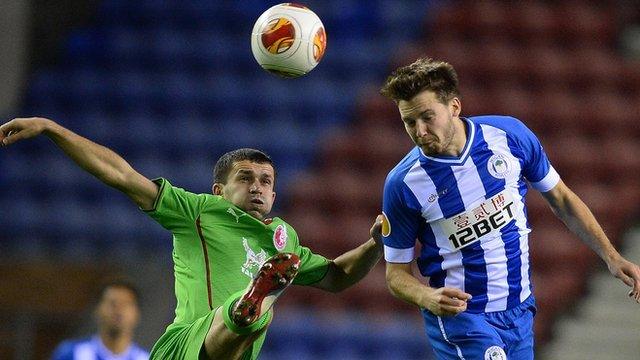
254 260
280 237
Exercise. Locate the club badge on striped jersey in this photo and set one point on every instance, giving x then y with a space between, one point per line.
495 353
280 237
386 225
468 227
499 166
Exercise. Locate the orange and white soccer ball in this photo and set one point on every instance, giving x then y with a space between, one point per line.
288 40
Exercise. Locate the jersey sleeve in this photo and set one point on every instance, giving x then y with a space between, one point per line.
313 267
175 207
401 220
139 353
64 351
536 168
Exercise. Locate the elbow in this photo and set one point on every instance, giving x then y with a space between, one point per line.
335 280
392 289
340 286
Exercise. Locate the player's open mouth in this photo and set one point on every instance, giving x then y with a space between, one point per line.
257 201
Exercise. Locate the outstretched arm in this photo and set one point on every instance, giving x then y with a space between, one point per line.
350 267
96 159
579 219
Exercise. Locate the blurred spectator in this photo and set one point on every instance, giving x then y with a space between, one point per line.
117 314
630 41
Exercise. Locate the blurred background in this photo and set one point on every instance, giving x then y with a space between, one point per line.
172 85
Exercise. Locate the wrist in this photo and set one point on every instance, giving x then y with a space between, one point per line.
611 256
425 295
48 126
377 246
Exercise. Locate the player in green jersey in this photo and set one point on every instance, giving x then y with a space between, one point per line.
230 260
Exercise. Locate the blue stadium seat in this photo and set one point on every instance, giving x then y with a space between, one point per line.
173 84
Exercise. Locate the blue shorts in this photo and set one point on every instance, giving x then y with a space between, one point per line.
496 335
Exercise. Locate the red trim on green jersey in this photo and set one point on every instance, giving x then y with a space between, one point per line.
206 261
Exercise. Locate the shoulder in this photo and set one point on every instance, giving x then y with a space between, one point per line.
508 124
166 186
399 172
207 200
279 221
213 199
65 350
139 353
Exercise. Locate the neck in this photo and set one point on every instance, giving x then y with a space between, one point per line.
116 343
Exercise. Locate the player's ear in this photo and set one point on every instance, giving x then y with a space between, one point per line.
217 188
273 197
455 106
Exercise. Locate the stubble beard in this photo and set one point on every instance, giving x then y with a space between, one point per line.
449 137
438 147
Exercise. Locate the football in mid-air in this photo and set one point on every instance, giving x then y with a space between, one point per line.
288 40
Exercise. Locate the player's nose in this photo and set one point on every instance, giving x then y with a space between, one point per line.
421 128
254 188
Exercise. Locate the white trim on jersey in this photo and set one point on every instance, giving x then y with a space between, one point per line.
548 182
394 255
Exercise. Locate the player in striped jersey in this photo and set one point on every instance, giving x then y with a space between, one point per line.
460 192
117 314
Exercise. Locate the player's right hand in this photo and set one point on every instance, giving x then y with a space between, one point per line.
22 128
447 301
376 230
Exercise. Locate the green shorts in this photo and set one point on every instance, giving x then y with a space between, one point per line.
184 341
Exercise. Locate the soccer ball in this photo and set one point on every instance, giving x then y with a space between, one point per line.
288 40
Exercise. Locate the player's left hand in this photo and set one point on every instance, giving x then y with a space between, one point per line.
629 273
376 231
21 129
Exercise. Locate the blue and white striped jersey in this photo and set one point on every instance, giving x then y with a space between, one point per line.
93 349
468 212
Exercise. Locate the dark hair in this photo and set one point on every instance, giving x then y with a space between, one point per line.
424 74
226 161
119 283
